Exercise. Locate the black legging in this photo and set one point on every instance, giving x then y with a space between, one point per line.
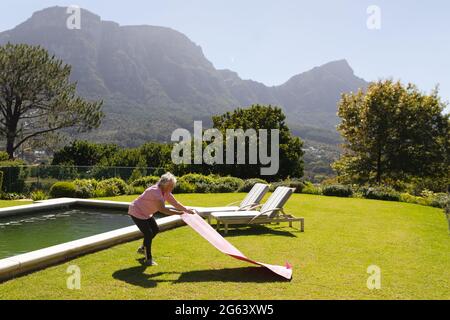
149 228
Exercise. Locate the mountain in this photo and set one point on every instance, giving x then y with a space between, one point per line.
154 79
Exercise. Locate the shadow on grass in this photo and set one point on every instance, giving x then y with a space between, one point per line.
245 230
243 274
138 276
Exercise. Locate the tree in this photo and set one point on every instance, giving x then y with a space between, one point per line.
262 117
37 98
84 153
392 131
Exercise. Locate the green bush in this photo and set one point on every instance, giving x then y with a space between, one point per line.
184 187
1 180
4 156
196 178
202 183
337 190
137 190
11 196
408 198
14 176
439 200
382 193
297 184
107 190
202 187
418 185
249 183
38 195
63 189
309 188
85 188
145 182
227 184
112 187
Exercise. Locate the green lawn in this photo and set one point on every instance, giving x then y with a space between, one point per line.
11 203
410 243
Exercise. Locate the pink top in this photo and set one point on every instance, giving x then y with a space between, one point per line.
146 205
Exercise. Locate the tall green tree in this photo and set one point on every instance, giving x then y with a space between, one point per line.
262 117
392 131
84 153
37 98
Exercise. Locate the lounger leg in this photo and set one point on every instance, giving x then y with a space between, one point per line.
217 224
209 219
290 224
302 225
226 228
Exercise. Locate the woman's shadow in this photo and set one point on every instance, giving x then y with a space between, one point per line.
138 276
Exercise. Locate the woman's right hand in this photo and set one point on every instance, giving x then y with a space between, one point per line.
191 211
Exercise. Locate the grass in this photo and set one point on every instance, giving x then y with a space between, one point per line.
410 243
11 203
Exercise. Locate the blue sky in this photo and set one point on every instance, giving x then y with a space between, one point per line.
270 41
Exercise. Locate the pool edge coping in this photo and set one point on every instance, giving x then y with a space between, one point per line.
18 265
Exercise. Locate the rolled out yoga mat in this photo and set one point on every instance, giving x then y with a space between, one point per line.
206 231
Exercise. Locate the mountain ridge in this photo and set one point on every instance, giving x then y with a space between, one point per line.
155 79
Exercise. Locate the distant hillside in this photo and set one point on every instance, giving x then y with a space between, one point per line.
155 79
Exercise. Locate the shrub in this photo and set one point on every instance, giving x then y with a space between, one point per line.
38 195
1 181
145 182
11 196
227 184
418 185
184 187
439 200
107 190
202 183
63 189
137 190
85 188
113 187
249 183
309 188
408 198
196 178
382 193
4 156
14 176
297 184
337 190
202 187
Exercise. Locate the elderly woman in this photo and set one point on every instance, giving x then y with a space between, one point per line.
150 202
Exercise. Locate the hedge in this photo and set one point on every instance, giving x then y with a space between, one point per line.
63 189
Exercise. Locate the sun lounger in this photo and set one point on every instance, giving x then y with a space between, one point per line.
271 212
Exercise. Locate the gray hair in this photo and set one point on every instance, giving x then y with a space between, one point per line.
167 178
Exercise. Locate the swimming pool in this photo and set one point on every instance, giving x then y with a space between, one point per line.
25 233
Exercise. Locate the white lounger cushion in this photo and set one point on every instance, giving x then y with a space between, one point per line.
215 209
277 200
253 197
236 214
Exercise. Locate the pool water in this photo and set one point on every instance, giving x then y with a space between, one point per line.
25 233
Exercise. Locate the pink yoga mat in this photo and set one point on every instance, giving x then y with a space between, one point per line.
206 231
